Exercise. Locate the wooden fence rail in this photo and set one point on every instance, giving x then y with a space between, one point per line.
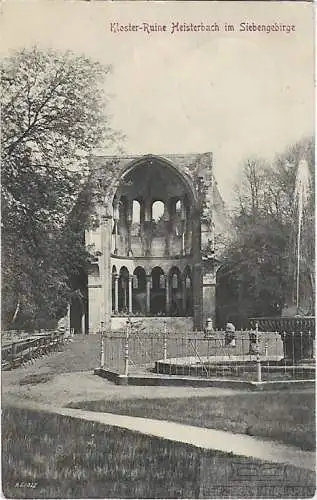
17 353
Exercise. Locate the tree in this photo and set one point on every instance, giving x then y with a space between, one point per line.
53 115
260 261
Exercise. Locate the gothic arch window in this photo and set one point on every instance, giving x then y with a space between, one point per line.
158 209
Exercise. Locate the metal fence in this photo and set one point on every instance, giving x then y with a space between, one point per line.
15 353
254 356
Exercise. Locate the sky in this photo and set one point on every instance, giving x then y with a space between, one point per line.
237 94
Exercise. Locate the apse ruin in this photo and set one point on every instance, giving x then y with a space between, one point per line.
154 246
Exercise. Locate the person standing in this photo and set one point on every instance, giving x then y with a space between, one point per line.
230 335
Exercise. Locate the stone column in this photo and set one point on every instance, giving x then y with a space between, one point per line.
167 296
197 296
130 293
183 226
115 250
148 293
209 293
129 225
147 211
116 293
116 220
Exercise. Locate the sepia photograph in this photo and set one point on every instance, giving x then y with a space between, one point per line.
157 249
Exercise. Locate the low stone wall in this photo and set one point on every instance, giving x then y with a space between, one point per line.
154 324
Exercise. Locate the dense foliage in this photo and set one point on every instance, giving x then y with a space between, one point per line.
258 278
53 115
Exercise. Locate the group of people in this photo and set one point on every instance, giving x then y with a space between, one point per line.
230 336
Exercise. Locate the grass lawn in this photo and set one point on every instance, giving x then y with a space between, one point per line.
52 456
283 416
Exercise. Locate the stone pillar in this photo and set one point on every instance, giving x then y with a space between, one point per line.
124 287
96 283
147 211
167 296
183 227
116 220
148 293
116 293
115 250
105 270
130 293
129 225
209 294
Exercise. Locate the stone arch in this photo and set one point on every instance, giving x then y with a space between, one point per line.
164 162
155 234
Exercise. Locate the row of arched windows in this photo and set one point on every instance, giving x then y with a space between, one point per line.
157 210
154 294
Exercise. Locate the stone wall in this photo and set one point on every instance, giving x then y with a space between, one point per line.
154 325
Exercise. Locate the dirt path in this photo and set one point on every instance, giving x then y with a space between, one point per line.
62 389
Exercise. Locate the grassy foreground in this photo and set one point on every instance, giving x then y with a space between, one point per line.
288 417
51 456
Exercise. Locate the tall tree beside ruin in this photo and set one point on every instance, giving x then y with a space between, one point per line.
54 114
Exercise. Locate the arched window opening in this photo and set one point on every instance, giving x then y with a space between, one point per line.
136 212
123 289
175 292
157 299
139 278
174 281
139 291
158 209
